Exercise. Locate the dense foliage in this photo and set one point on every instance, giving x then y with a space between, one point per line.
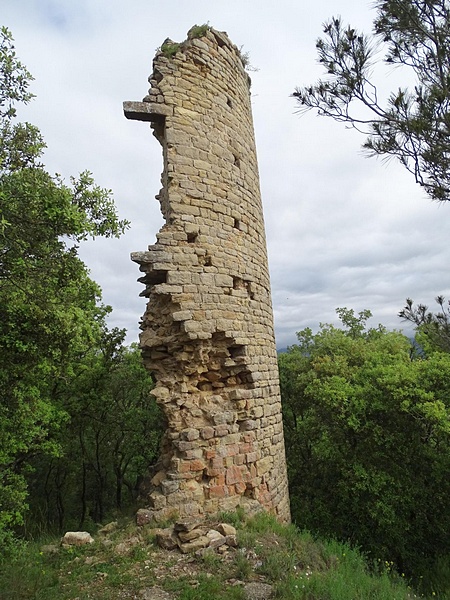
414 124
367 425
107 446
71 397
433 329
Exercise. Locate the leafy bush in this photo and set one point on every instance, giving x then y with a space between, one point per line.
368 441
169 49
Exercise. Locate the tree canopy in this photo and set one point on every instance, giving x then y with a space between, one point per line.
432 329
367 427
414 123
50 311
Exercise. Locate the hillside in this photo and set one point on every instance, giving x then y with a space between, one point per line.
269 561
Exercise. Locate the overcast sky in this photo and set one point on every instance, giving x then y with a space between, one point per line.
342 230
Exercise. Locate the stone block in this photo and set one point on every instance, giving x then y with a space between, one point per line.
143 517
76 538
197 465
156 479
188 536
252 457
216 539
182 315
197 544
226 529
207 433
264 465
233 475
221 430
157 500
190 434
218 491
166 539
169 487
187 525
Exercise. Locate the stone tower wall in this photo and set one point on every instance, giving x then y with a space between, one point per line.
208 329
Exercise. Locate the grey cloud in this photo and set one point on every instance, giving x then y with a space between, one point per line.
342 230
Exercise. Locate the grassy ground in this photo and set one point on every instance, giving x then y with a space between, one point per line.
128 565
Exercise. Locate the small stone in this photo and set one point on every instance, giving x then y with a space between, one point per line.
122 549
154 593
169 487
226 529
156 479
231 540
216 539
190 434
143 516
125 546
207 433
258 591
187 524
76 538
198 544
108 528
188 536
166 539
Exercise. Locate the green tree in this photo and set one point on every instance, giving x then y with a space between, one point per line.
107 445
367 428
49 307
414 123
432 329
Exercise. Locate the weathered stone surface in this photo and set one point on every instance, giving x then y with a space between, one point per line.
187 524
188 536
108 528
76 538
125 547
207 333
166 539
155 593
258 591
143 516
216 539
231 540
226 529
197 544
145 111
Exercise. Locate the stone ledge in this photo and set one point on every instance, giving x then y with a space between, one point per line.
146 111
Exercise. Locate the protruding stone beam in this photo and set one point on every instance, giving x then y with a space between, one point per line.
146 111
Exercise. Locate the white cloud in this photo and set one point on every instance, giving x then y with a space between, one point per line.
342 230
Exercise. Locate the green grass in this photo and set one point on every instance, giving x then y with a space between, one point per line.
293 562
170 49
198 31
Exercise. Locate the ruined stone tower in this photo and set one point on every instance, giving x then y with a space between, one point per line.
208 329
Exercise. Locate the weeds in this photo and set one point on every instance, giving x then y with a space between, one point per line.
296 565
245 58
242 565
235 518
198 31
169 49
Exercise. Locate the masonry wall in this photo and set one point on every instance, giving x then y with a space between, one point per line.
207 333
